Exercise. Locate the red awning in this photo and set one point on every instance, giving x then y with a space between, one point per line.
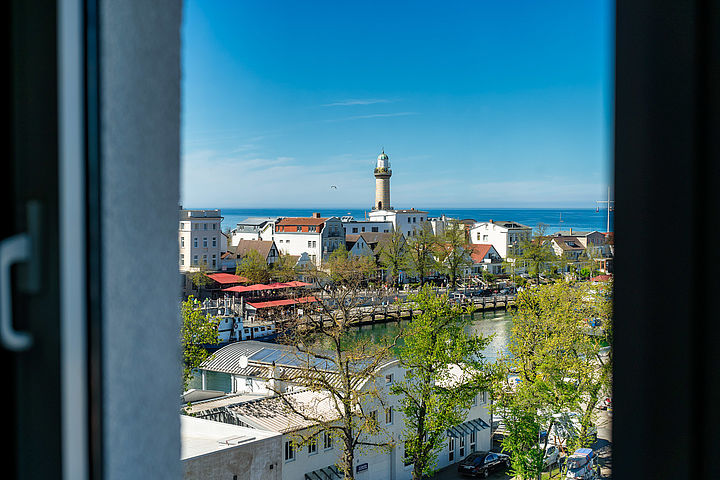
284 302
259 286
227 278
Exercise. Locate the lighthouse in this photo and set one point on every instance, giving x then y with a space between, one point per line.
382 183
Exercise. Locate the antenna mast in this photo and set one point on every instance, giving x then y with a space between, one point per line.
610 204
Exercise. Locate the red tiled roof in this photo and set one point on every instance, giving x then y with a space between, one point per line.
292 221
479 250
227 278
601 278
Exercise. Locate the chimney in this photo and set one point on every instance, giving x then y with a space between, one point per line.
316 215
571 231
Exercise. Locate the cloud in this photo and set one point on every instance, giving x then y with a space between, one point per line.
351 102
372 115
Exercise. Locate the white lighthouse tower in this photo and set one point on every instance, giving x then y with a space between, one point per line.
382 183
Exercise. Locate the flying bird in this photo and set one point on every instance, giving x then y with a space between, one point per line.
333 186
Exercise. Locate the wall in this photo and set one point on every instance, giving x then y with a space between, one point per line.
140 155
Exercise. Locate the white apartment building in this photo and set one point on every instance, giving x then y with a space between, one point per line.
407 221
502 235
362 226
315 236
257 370
254 228
200 239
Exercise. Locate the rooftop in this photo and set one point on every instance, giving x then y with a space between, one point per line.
201 437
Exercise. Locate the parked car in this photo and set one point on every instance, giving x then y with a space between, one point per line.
582 465
481 464
552 455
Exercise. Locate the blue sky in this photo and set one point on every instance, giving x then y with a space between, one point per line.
478 104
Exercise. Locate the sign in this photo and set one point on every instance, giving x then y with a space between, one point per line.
362 467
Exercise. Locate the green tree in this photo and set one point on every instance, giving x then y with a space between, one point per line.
333 359
284 269
535 254
197 331
556 358
444 373
394 256
454 252
421 251
199 277
254 267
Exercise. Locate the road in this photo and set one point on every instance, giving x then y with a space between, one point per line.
603 446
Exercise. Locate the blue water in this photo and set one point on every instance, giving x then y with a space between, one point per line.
555 219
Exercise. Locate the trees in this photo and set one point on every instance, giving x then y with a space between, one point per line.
394 256
445 371
558 366
535 254
196 331
421 250
284 269
333 360
454 253
254 267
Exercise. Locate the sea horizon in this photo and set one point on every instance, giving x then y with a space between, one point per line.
554 219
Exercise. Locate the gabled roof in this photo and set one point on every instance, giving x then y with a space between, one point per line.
568 244
479 251
244 247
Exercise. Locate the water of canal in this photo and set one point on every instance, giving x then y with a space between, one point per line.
496 324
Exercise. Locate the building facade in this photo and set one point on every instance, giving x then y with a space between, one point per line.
315 236
503 235
200 240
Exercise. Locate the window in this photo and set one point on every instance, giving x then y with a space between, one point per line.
182 259
462 446
389 379
214 241
214 226
312 446
406 461
327 440
363 229
214 261
289 451
182 242
299 229
374 416
473 435
414 218
195 242
309 244
205 244
205 226
355 230
195 259
374 229
451 449
389 416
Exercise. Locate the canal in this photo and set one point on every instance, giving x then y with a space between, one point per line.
495 324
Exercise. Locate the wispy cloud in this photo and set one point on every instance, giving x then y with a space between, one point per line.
372 115
357 101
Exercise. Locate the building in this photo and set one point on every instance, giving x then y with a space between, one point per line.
406 221
503 235
485 259
361 226
258 371
200 239
254 228
221 451
267 249
382 183
315 236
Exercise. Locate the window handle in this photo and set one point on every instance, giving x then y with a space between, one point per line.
13 250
